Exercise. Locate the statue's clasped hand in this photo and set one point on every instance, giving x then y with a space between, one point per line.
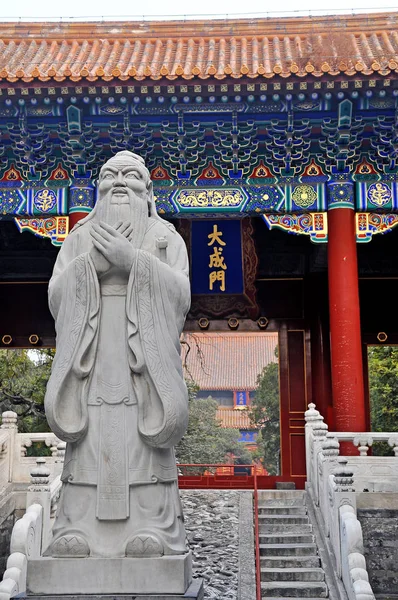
111 245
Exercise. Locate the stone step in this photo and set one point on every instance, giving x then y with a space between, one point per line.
283 519
292 574
279 598
294 589
284 538
281 498
281 494
288 549
290 562
291 529
300 509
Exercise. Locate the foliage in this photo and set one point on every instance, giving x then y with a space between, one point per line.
23 379
383 391
205 441
264 414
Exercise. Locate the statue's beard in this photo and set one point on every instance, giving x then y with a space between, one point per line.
128 207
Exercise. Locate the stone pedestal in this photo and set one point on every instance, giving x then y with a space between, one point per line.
194 592
167 576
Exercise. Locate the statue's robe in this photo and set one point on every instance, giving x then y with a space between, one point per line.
116 392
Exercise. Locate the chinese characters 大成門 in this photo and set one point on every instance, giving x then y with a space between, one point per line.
216 260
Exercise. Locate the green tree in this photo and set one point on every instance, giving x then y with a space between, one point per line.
205 441
383 391
23 379
264 414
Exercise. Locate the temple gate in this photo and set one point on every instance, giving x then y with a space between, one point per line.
251 131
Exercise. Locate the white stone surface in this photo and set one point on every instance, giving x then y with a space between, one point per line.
25 545
26 535
165 575
331 483
119 295
42 493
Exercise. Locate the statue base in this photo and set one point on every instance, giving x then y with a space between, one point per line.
166 576
194 592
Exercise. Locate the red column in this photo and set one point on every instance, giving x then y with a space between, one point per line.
75 217
81 199
345 327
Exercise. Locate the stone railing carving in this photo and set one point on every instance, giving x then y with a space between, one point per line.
42 492
332 483
26 440
4 459
353 564
364 441
31 534
371 473
42 477
15 465
26 542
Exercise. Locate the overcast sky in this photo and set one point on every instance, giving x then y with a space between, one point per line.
123 9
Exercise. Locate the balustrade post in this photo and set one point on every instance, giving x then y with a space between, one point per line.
328 462
363 442
343 494
60 455
311 416
319 431
315 432
39 492
59 458
393 443
9 422
343 476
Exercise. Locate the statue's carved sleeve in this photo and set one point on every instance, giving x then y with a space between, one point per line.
74 303
159 297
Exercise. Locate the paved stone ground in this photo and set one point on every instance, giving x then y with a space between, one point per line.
219 528
212 524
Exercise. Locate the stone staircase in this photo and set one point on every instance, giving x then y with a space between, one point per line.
289 561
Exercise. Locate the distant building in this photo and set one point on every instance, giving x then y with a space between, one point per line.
251 129
226 367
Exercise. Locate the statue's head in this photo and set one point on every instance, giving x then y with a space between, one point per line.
123 172
125 193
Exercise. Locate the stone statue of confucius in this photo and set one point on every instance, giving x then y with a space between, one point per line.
119 295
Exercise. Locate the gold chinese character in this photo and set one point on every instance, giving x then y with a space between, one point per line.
217 276
216 259
215 237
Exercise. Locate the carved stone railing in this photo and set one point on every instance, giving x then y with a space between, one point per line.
26 540
364 441
31 534
15 464
332 484
5 465
371 473
22 464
